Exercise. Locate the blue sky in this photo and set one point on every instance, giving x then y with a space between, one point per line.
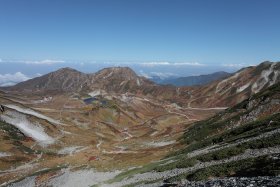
38 35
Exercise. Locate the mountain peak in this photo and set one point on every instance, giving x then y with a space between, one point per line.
117 72
64 79
66 70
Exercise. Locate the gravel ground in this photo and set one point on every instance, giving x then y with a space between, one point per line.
235 182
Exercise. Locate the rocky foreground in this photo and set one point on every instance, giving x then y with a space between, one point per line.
233 182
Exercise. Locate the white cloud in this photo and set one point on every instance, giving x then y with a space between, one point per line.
44 62
142 73
38 62
237 65
154 63
38 74
159 74
151 64
12 79
163 75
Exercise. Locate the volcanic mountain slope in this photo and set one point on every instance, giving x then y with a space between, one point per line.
232 90
116 79
243 141
65 79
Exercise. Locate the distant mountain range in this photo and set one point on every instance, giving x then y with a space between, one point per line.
229 88
192 80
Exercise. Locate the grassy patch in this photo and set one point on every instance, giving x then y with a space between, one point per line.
261 166
221 154
248 130
129 173
182 163
12 131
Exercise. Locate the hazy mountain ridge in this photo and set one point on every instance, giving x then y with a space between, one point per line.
195 80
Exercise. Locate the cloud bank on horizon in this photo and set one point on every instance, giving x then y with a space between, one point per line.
11 79
15 71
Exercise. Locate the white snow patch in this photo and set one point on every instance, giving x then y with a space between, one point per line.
264 79
81 178
119 152
125 98
160 144
154 133
99 143
71 150
122 83
33 113
138 82
219 86
95 93
175 105
27 182
28 128
242 88
108 97
215 108
44 100
65 132
100 134
80 124
128 135
4 154
109 75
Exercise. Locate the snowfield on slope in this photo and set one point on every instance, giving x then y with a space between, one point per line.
242 88
29 129
160 144
265 78
33 113
71 150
